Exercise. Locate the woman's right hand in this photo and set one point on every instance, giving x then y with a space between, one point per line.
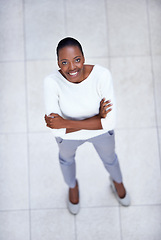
105 108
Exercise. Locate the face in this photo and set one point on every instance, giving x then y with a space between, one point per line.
71 63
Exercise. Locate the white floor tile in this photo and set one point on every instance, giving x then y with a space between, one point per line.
13 172
36 72
98 223
128 28
86 21
45 26
11 30
157 84
48 189
154 7
134 92
52 224
14 225
12 98
141 223
139 158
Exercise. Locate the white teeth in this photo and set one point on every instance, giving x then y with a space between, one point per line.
72 74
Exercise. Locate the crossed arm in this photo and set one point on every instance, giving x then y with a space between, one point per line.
55 121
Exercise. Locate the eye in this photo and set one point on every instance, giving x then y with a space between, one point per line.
78 60
64 62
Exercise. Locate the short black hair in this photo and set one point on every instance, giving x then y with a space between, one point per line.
68 41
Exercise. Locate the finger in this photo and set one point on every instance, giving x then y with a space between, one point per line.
105 112
108 101
107 106
54 115
46 118
49 124
104 104
50 115
109 110
101 102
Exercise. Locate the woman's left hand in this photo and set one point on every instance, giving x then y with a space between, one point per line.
54 121
105 108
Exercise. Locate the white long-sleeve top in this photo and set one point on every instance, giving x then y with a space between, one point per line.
78 101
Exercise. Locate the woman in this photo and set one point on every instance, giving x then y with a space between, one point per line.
80 107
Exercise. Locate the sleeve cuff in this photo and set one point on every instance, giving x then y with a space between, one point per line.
59 132
107 124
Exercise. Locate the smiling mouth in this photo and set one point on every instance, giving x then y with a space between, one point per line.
73 73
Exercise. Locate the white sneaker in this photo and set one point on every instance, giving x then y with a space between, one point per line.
123 201
73 208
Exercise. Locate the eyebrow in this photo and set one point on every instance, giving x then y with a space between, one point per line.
77 56
63 60
67 59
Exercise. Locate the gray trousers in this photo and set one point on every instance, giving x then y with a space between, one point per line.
105 147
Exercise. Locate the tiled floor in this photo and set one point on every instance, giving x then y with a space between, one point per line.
123 35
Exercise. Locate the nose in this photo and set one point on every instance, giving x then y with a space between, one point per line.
71 66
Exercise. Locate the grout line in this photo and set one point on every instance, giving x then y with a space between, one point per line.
131 56
107 32
12 61
121 237
75 226
14 210
96 57
16 133
48 132
29 60
154 87
27 125
136 128
65 17
92 207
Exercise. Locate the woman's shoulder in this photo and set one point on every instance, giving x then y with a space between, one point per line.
52 80
98 70
101 74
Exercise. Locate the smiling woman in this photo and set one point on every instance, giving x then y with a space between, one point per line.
80 107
